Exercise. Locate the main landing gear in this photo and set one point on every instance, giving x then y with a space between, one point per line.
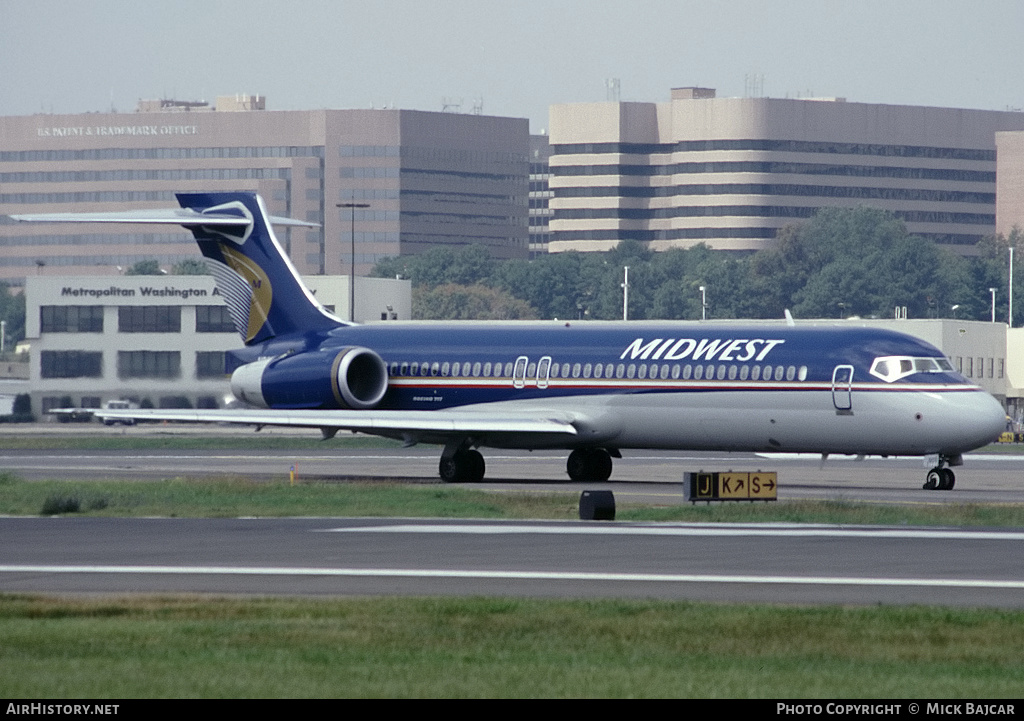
465 465
941 478
460 463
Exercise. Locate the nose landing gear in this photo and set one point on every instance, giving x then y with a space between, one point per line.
939 479
942 478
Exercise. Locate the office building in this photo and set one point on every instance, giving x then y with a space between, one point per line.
730 172
1009 182
540 194
426 179
154 339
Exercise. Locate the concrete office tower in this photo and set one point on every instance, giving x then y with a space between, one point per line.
730 172
429 179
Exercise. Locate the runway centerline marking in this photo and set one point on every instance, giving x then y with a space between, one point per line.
513 575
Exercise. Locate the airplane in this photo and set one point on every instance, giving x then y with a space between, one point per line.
593 388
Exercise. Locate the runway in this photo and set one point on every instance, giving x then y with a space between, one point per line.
736 563
721 562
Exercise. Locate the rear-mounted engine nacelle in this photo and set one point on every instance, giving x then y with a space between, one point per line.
351 377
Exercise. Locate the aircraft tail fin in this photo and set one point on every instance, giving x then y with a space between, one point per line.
263 291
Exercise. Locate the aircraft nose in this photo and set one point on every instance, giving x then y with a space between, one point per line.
980 419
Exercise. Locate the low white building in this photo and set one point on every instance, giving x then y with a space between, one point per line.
156 340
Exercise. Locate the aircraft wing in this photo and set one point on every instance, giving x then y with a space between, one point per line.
414 425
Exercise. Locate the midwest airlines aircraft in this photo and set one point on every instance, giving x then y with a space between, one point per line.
592 388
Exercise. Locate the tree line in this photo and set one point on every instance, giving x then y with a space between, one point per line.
841 263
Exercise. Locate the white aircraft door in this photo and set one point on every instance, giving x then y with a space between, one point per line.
519 372
842 387
543 370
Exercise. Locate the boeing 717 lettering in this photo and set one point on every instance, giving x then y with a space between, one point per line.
592 388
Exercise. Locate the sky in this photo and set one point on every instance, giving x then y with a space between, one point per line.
513 58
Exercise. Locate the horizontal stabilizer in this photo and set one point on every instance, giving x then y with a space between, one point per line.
161 216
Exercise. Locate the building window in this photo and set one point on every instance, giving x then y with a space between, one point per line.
149 319
71 364
148 364
71 318
210 364
214 319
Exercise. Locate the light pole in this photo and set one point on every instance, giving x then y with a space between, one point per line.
703 303
352 261
993 292
625 293
1009 317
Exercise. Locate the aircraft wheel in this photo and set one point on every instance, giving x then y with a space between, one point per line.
933 479
463 467
474 466
448 469
948 480
589 464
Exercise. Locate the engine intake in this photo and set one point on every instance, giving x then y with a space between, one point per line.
351 377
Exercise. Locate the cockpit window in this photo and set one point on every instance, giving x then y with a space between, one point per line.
892 368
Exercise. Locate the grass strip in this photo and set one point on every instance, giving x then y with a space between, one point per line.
189 647
232 498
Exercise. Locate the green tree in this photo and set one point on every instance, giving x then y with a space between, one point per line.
12 312
990 269
468 302
145 267
464 266
190 266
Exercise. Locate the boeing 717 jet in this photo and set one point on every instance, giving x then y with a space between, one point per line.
592 388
